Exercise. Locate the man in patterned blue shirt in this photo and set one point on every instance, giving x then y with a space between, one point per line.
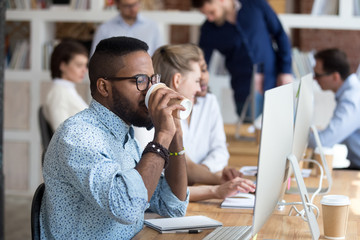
332 72
97 183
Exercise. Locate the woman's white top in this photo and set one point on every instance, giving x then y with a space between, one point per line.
62 102
204 139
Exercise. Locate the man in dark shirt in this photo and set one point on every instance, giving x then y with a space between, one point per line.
246 33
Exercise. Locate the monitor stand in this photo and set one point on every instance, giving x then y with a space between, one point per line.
324 164
309 215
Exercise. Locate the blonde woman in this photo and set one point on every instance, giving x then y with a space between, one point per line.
182 68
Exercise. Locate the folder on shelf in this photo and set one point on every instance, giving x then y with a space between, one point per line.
171 225
325 7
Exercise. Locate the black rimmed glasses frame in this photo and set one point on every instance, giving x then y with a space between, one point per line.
142 80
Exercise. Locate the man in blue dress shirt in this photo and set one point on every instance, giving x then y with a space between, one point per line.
129 22
98 184
332 72
247 33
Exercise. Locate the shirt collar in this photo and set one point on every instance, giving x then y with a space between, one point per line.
139 19
116 125
349 81
64 82
237 5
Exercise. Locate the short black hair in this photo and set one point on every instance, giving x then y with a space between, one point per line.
199 3
334 60
102 63
64 52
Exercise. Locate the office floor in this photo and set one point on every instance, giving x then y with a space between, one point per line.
17 217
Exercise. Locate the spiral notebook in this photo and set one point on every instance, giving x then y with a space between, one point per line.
171 225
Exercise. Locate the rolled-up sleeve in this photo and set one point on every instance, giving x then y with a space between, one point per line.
165 203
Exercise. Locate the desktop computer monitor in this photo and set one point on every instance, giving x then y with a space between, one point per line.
302 121
280 146
303 116
304 112
275 145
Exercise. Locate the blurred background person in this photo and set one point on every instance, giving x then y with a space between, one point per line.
332 72
68 66
246 33
129 22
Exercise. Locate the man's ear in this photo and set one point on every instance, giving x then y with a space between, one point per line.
337 77
103 87
176 80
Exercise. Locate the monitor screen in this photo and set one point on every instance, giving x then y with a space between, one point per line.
275 146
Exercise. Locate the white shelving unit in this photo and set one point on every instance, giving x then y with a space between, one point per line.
42 24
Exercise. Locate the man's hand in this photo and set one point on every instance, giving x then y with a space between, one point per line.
161 115
284 78
259 82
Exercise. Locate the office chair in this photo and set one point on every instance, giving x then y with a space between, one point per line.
35 212
46 131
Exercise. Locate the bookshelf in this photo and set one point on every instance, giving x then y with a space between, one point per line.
34 79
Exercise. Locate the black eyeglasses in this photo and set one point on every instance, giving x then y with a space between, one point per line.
318 75
142 80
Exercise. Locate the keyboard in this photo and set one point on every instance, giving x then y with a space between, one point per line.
233 233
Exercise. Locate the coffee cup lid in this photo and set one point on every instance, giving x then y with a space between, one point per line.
188 106
147 96
335 200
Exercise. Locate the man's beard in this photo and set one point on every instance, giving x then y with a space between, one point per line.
122 108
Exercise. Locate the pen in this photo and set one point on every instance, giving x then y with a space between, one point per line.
191 231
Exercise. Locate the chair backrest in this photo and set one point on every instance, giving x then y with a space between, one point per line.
45 129
46 132
35 212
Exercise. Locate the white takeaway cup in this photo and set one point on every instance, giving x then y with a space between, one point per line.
186 103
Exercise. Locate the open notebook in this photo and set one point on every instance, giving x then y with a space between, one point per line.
240 200
171 225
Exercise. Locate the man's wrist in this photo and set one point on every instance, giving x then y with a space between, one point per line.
176 143
158 149
163 139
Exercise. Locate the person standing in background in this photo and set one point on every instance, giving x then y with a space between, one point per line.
130 23
246 33
68 67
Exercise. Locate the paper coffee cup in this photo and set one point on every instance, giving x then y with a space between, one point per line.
329 156
186 103
335 211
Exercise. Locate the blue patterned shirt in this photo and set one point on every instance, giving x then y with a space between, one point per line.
92 189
